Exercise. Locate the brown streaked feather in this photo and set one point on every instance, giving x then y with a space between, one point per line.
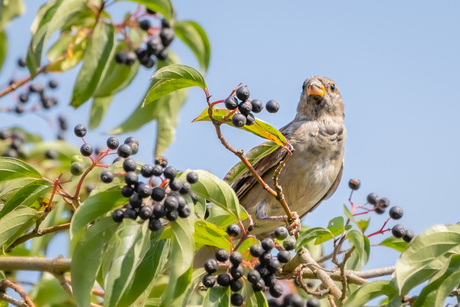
329 193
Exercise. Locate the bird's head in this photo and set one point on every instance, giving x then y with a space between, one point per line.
320 96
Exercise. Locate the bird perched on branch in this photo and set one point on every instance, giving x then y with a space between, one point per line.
314 170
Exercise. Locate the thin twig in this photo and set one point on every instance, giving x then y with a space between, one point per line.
38 233
244 159
5 297
8 284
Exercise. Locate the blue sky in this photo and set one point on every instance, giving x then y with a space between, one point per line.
395 62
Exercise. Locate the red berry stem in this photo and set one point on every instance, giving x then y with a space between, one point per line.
381 231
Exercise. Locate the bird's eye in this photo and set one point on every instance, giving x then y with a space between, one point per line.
303 87
333 87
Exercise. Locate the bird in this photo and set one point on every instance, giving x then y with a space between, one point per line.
314 170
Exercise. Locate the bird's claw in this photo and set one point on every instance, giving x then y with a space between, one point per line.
294 225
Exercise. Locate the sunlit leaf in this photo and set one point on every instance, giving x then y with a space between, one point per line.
217 297
217 191
67 51
97 53
172 78
50 18
193 35
152 263
98 108
87 257
259 128
370 291
310 234
437 291
13 224
209 234
362 247
428 254
182 247
96 206
27 195
130 239
394 243
9 10
11 168
117 77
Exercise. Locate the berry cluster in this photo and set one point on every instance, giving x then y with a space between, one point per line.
147 200
16 139
246 106
35 88
150 200
157 41
380 206
261 273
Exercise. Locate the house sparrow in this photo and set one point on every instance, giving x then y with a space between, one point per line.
314 170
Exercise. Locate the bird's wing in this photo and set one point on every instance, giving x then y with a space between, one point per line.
243 184
329 193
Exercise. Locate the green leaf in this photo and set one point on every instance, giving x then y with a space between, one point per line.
13 224
310 234
209 234
253 156
98 109
259 128
371 291
97 53
9 9
117 77
27 195
130 240
197 276
437 291
182 247
362 247
427 255
11 168
363 224
217 297
220 217
172 78
162 6
336 227
394 243
3 47
50 18
95 206
148 268
193 35
67 51
348 213
87 257
10 188
254 299
218 192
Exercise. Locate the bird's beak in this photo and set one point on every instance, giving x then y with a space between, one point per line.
315 88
